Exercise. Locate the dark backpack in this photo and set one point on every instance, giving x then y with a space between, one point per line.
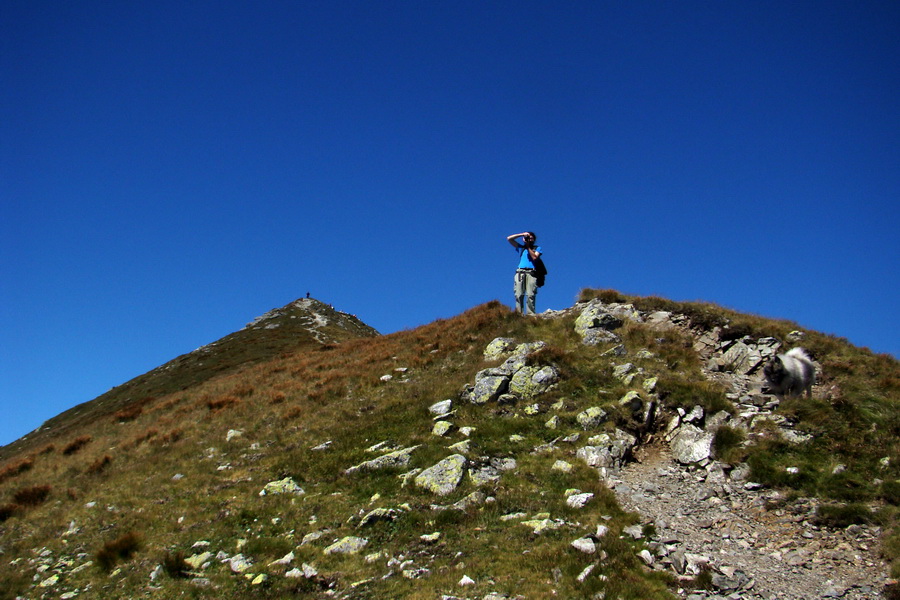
540 271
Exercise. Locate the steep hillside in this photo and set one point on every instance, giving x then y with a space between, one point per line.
484 456
304 323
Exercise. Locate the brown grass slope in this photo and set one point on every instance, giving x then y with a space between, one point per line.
137 483
304 323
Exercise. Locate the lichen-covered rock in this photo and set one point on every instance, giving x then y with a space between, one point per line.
398 458
198 560
591 417
240 564
488 388
499 347
596 336
379 514
444 477
540 526
531 381
441 428
284 486
596 315
347 545
691 444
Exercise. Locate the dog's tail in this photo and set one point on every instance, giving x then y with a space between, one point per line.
799 353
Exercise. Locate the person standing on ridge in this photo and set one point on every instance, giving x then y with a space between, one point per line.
525 284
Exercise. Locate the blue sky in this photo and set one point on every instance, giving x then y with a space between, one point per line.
171 170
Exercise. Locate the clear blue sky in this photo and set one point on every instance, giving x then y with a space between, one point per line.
170 170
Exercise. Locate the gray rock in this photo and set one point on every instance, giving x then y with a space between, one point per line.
499 347
444 477
691 444
597 336
347 545
531 381
441 408
489 388
591 418
398 458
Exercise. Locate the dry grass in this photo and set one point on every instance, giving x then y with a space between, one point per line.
16 469
76 445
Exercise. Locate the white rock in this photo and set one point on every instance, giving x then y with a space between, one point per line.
578 500
466 580
585 545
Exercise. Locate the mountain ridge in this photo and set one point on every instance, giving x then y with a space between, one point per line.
303 323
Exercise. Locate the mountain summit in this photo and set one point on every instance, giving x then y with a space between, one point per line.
625 448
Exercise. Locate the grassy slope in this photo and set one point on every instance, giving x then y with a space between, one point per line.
293 401
251 345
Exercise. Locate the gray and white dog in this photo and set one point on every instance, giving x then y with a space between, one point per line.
791 373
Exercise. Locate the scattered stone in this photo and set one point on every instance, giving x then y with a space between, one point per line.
347 545
591 418
585 545
578 500
441 428
284 486
398 458
563 466
444 477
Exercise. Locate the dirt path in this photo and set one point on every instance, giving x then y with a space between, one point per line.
757 545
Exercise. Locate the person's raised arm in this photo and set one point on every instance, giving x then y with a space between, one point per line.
512 239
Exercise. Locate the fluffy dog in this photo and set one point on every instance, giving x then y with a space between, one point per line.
791 373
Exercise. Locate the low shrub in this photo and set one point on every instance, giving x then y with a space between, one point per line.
890 492
129 413
100 465
7 511
605 296
727 444
17 469
32 496
76 445
175 566
221 403
121 548
842 515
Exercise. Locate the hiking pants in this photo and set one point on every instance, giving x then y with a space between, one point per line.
525 289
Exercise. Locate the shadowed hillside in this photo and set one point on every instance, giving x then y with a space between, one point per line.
481 456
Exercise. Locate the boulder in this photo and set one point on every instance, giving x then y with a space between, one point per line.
488 388
597 336
444 477
597 316
398 458
591 418
441 408
529 382
691 444
284 486
347 545
499 347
